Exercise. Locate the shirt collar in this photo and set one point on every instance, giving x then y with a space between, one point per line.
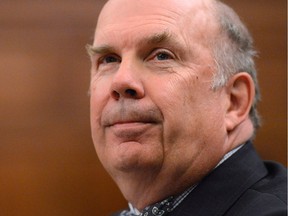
133 210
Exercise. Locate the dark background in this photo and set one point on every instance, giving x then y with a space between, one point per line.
48 165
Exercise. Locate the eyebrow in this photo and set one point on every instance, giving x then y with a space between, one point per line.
91 50
158 38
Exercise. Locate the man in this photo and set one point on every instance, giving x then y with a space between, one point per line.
173 107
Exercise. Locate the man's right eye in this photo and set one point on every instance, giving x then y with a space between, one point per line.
109 59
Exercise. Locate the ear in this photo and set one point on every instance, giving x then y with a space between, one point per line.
240 90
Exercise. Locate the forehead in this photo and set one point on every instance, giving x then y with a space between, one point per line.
135 18
123 9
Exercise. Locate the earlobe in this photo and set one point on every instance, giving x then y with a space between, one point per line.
240 90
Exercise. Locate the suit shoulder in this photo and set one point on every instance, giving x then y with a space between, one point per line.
267 197
274 183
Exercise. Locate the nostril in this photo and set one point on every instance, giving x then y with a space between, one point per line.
126 93
131 92
115 95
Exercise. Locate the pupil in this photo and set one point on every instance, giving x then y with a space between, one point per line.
110 59
162 56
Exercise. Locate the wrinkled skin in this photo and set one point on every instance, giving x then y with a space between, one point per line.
155 119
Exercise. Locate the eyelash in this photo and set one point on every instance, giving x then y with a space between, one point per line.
156 52
104 58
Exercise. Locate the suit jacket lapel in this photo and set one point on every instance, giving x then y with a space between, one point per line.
224 185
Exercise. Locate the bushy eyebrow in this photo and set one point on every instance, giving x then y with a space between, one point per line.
164 37
91 50
158 38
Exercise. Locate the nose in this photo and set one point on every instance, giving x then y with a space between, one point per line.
127 83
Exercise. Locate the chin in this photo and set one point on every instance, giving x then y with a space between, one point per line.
136 160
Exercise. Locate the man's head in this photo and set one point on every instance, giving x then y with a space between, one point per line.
161 110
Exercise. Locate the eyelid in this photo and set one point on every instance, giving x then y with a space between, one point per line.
101 59
161 50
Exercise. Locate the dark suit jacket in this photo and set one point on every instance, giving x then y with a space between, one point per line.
243 185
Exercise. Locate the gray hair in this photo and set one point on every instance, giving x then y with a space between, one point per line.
234 52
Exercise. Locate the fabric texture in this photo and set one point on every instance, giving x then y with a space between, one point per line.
243 185
161 208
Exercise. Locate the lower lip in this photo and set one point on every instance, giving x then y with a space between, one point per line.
130 130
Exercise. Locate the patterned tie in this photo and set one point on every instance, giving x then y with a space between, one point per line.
159 209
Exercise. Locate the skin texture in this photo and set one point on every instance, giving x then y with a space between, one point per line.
155 120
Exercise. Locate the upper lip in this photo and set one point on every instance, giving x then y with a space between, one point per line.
131 115
130 121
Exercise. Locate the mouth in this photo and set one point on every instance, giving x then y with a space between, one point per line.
130 115
130 130
130 123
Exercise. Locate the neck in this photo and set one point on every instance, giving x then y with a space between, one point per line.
240 134
141 189
144 191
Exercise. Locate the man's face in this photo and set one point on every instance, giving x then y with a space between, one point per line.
152 107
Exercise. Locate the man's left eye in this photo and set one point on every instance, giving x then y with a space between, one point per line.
163 56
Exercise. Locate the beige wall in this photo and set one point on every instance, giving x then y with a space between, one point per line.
48 165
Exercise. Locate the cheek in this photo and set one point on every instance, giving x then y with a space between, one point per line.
95 119
95 114
174 97
173 91
188 106
177 96
99 96
99 91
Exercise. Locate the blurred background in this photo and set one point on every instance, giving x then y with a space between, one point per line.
48 165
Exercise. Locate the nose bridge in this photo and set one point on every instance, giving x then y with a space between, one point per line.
126 71
127 82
